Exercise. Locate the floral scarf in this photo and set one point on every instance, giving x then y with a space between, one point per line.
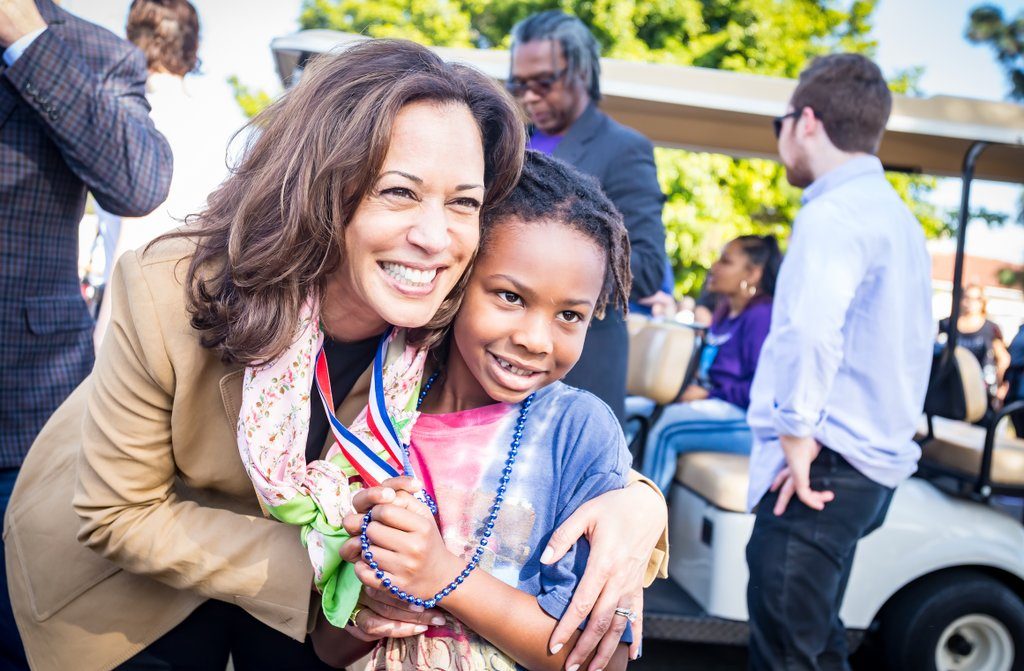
273 427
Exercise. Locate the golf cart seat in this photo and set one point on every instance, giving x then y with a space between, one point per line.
660 357
635 323
958 447
663 359
718 477
952 445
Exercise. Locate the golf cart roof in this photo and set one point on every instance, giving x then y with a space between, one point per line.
727 112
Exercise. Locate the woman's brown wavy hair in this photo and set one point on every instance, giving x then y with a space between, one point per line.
273 231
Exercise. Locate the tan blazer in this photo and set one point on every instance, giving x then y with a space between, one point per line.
133 507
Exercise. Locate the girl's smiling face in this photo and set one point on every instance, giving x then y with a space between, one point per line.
524 318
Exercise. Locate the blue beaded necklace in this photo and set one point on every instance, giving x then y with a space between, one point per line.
506 475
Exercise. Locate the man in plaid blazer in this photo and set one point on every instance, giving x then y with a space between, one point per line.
73 118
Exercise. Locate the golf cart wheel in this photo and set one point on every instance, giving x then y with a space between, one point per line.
957 621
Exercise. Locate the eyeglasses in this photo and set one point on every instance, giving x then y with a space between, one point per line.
540 86
777 121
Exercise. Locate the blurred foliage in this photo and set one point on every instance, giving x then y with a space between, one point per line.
988 25
711 198
251 101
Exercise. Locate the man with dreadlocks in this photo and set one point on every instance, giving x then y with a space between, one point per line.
555 76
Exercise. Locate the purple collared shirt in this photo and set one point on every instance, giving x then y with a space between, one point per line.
544 143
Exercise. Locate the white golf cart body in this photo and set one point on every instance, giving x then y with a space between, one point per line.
925 531
928 531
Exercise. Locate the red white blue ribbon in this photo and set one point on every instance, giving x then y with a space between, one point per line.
373 468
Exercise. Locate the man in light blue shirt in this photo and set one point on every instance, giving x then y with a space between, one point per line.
842 377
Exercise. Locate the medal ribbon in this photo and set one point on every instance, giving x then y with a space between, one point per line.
372 468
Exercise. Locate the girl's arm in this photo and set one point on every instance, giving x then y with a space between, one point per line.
408 547
510 619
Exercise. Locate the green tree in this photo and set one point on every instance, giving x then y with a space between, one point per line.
710 198
433 22
251 101
988 25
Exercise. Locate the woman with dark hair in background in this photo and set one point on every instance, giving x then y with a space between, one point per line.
140 541
710 414
983 338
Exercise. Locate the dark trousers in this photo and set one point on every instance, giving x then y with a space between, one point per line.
799 565
12 653
203 641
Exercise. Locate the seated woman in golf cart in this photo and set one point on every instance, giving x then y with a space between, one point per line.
710 414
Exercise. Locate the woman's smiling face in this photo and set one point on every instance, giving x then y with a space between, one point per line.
529 302
416 230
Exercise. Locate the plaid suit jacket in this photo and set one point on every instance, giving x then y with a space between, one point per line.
73 118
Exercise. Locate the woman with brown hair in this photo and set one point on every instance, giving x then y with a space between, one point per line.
360 195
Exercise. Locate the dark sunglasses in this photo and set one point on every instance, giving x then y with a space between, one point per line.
541 86
777 121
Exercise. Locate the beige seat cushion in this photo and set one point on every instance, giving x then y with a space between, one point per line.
636 323
973 380
720 478
659 355
958 446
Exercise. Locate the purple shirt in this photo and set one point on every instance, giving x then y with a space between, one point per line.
739 341
542 142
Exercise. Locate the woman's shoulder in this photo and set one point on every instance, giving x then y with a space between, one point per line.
760 307
152 280
758 312
992 330
174 247
164 262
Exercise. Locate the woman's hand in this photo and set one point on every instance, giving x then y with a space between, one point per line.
619 552
694 392
383 616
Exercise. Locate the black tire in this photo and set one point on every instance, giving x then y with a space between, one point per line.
913 624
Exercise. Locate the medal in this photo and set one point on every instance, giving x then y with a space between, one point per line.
373 468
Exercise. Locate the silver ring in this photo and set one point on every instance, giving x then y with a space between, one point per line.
626 613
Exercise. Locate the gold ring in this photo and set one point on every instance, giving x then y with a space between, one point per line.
354 614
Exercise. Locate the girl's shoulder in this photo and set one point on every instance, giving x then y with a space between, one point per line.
576 419
573 403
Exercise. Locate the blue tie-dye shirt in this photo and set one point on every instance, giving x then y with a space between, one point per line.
572 451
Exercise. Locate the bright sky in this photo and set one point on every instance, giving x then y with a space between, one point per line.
910 33
236 40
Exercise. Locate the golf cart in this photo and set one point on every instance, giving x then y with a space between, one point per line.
941 584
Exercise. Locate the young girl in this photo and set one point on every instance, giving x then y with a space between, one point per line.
505 450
